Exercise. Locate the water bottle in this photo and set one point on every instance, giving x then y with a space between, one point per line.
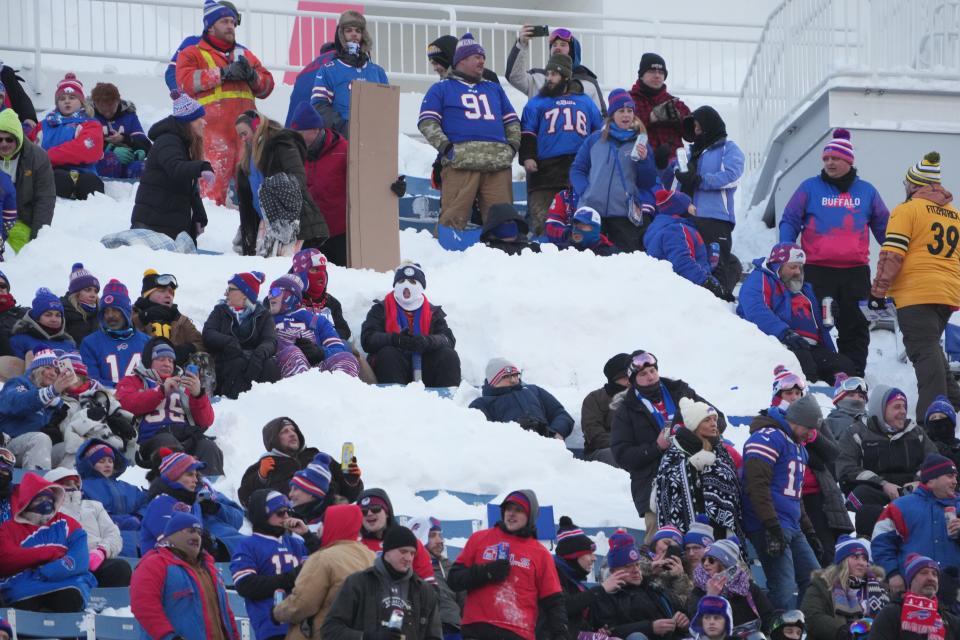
827 305
503 551
278 596
641 142
396 620
353 48
950 513
714 255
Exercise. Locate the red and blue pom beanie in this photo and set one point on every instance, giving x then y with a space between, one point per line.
248 283
44 300
622 551
519 499
673 203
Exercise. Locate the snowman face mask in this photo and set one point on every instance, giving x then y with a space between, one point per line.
408 294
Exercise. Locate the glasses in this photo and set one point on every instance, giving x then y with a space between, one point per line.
373 510
7 139
709 560
167 280
854 384
232 289
283 513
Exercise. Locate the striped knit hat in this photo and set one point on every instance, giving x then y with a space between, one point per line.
840 146
572 542
915 563
467 47
70 84
927 171
96 452
213 11
847 546
783 380
175 465
700 532
315 479
668 533
81 278
936 465
185 108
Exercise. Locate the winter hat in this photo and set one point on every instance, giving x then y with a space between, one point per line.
843 387
572 542
44 300
177 463
700 532
618 99
518 498
306 117
847 546
498 368
288 282
352 18
562 64
467 47
185 108
115 295
785 252
805 412
622 550
179 521
80 279
163 350
306 259
650 61
942 405
69 84
97 452
410 270
667 532
913 565
673 203
397 537
927 171
274 502
840 146
726 552
640 359
151 282
315 478
784 380
505 230
694 412
715 605
616 367
587 215
374 501
936 465
213 11
248 283
43 358
893 395
442 50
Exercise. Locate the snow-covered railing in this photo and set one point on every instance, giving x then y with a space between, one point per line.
806 43
704 58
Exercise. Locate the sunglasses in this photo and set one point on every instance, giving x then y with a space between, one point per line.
167 280
7 139
374 510
283 513
854 384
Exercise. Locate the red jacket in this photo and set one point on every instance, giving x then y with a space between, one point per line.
513 603
134 396
86 147
326 168
669 133
422 566
14 557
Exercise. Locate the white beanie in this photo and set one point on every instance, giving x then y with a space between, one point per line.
694 412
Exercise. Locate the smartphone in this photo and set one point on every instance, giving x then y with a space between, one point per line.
674 551
192 369
731 572
66 365
347 453
540 31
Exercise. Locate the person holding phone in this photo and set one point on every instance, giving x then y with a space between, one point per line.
722 572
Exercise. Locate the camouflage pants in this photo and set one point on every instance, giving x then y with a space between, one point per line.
461 187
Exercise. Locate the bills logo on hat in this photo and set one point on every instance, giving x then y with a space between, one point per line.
634 555
365 501
108 299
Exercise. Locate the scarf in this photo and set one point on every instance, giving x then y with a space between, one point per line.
220 45
621 135
612 388
7 302
863 597
396 318
843 183
739 586
669 407
919 615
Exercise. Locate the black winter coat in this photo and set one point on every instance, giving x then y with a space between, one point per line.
374 336
19 100
580 603
168 198
79 324
284 152
7 319
634 608
362 607
528 405
244 352
633 437
36 189
823 453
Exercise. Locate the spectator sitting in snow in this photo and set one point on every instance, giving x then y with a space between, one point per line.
44 562
179 488
378 518
168 197
311 266
673 236
100 467
7 462
663 563
305 339
31 408
73 140
29 168
181 565
240 335
595 415
326 167
940 423
776 299
173 408
113 352
643 417
407 337
429 532
879 459
286 453
10 313
850 406
41 328
80 303
103 536
267 561
507 399
125 143
585 233
322 575
505 229
158 316
617 151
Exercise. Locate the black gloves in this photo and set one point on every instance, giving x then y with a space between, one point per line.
239 69
121 426
688 180
96 413
58 415
661 156
209 506
877 304
496 571
713 285
793 340
311 350
399 187
815 545
410 342
774 542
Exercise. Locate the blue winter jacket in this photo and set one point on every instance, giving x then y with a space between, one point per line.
303 85
224 525
523 403
720 168
122 500
766 302
914 524
24 407
332 84
605 178
675 238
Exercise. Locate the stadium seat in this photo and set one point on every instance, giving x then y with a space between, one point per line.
237 603
117 628
452 553
45 625
115 598
476 499
546 525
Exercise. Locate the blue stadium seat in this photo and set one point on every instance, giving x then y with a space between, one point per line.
459 528
546 525
638 534
115 597
477 499
453 553
237 603
225 574
453 240
45 625
117 628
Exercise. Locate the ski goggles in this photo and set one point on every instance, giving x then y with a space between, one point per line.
276 292
854 384
791 381
861 626
562 34
7 459
642 360
793 617
166 280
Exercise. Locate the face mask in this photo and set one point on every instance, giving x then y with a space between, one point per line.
415 299
942 428
44 507
852 404
590 238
